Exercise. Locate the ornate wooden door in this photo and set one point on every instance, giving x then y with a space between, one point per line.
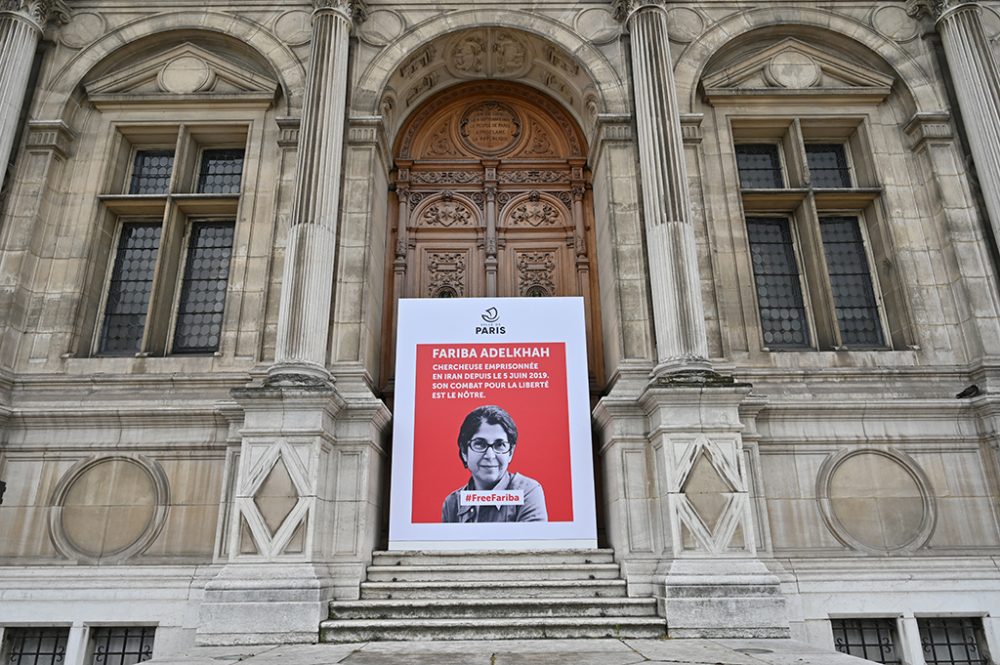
492 200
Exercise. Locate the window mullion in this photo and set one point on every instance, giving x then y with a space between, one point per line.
164 281
184 163
797 172
819 293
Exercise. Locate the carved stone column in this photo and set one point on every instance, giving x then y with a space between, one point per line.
307 457
307 286
976 76
700 557
22 23
678 314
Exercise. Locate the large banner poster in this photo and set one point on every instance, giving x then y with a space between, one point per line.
491 431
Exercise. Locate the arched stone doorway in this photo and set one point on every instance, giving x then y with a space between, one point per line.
491 199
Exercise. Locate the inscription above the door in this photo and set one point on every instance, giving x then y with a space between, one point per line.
490 127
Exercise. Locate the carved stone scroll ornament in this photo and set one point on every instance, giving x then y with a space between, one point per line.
447 274
534 273
39 11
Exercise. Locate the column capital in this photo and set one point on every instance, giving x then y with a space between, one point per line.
39 12
623 9
352 10
936 9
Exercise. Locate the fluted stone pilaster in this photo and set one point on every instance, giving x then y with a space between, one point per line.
307 289
976 77
678 311
21 26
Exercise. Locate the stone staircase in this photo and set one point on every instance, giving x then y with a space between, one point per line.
494 595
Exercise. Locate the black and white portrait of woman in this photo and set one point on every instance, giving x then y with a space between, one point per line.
487 441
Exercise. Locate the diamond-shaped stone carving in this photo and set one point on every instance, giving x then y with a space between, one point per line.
276 496
706 491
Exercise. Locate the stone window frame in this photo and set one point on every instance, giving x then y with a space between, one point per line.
177 211
804 205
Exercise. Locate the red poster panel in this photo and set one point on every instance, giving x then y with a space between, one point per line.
526 381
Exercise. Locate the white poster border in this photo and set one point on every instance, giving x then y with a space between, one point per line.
523 320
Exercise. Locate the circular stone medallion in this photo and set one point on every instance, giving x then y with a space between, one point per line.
82 30
792 69
877 500
294 27
381 27
108 507
185 75
597 25
894 23
684 24
490 127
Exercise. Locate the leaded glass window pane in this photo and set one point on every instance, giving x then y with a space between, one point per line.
203 292
951 641
871 639
828 165
851 281
128 292
125 645
759 166
779 289
36 646
221 171
151 172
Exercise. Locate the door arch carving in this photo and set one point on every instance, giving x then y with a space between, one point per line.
491 199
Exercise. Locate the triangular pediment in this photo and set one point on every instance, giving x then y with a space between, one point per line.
185 70
792 66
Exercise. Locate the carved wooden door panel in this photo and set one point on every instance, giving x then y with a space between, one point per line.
445 248
536 239
491 200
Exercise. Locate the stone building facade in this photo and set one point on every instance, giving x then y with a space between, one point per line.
782 217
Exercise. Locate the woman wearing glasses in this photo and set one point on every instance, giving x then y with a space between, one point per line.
486 443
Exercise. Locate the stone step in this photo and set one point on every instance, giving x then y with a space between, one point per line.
492 607
479 571
425 558
364 630
550 589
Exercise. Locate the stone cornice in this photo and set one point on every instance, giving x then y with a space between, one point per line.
623 9
352 10
935 9
39 12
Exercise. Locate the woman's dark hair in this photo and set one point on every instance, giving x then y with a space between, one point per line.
491 415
